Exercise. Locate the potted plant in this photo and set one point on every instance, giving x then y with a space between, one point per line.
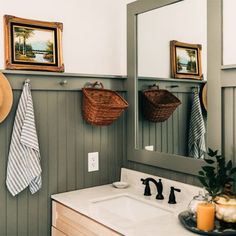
217 178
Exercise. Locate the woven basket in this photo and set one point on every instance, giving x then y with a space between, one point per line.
101 106
157 105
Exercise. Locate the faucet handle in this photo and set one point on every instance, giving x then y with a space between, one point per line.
177 190
159 190
172 195
147 190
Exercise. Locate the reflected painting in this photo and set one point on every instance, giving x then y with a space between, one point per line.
33 45
185 60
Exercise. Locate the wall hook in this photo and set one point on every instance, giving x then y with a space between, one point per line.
63 82
154 86
195 89
173 86
27 81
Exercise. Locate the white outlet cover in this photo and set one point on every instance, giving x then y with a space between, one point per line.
93 163
149 148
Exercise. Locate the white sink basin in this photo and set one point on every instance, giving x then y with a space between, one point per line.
127 209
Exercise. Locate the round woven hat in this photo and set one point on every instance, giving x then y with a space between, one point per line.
6 97
204 96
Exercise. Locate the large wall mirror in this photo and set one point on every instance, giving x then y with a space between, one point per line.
155 30
152 24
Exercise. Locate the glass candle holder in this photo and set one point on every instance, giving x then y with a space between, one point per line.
192 206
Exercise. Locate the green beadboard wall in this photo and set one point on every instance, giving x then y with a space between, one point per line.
65 140
229 124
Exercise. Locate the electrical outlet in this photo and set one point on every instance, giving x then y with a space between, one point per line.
93 161
149 148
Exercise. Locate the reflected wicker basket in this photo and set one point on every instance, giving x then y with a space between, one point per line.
101 106
157 105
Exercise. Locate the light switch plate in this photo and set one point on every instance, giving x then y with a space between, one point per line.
93 163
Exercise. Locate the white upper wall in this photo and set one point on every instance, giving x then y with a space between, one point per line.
94 36
184 21
229 36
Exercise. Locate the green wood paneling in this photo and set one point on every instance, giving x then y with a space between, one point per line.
65 140
229 124
170 136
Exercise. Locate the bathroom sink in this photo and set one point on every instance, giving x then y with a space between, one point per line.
127 209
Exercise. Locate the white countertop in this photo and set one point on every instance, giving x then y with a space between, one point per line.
82 202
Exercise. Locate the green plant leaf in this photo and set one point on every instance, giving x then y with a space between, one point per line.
203 181
210 175
221 163
233 171
214 178
210 150
201 172
229 165
229 179
211 153
208 168
218 157
215 152
209 161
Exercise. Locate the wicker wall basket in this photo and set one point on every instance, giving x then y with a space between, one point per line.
101 106
157 105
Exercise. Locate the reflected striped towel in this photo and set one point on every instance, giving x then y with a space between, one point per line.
196 139
23 167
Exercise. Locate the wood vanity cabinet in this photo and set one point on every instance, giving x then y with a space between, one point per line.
67 222
56 232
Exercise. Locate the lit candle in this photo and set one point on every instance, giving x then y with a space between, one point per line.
205 216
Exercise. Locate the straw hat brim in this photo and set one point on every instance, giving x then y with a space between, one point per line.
204 96
6 97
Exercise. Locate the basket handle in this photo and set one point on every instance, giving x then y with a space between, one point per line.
93 85
153 86
98 84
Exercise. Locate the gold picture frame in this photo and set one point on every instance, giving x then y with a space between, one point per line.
185 60
33 44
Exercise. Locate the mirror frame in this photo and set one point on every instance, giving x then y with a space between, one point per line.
214 54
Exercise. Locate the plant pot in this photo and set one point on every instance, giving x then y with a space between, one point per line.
226 208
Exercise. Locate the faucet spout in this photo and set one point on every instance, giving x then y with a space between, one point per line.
159 187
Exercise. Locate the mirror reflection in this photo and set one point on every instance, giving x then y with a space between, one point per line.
166 80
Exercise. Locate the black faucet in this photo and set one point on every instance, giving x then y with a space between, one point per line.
159 186
172 195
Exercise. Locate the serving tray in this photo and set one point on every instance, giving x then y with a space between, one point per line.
189 223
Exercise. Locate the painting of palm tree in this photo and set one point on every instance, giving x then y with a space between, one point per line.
186 60
33 45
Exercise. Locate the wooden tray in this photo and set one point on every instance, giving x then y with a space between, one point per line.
189 223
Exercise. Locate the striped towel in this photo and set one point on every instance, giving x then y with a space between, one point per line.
23 167
196 139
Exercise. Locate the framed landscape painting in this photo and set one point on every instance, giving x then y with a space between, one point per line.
33 45
186 60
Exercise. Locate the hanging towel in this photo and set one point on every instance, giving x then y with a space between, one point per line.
23 168
196 141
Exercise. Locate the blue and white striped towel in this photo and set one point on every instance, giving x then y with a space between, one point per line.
196 139
23 167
